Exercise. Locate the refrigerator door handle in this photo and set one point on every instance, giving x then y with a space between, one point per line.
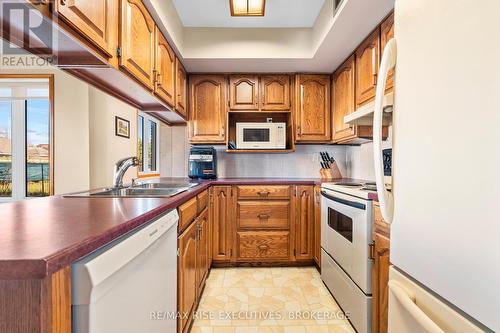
385 197
408 303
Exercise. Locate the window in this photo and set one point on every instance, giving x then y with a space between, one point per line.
148 144
25 144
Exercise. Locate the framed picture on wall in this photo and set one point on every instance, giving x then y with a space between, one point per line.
122 127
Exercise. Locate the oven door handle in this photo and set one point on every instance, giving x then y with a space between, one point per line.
344 202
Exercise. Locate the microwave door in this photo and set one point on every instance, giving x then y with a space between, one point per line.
255 138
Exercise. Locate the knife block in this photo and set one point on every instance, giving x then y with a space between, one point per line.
332 173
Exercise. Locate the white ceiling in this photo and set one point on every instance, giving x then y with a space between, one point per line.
278 14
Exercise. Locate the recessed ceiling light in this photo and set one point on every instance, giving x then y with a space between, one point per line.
247 7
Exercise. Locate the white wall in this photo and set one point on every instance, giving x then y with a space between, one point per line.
174 151
105 147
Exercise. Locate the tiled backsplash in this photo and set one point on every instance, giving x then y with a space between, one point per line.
303 163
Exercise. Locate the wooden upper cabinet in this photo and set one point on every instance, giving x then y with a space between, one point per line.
221 224
312 114
207 115
275 93
386 33
367 61
304 223
96 20
180 88
187 275
343 100
243 92
164 69
137 41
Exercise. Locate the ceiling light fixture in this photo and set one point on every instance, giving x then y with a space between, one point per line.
247 7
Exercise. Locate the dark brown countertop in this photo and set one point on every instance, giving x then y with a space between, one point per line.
40 236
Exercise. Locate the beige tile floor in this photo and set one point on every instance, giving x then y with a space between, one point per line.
268 300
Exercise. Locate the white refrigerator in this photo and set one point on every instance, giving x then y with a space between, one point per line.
444 207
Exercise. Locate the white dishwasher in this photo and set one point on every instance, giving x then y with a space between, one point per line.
129 285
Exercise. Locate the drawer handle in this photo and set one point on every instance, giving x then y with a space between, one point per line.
263 193
263 247
263 216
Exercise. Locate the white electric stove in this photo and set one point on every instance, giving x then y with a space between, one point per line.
346 224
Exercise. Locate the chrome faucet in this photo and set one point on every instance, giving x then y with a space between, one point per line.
121 167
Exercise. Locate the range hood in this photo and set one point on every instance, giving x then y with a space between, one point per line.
364 114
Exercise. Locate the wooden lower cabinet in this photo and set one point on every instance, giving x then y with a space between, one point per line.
317 225
304 222
193 264
187 276
380 273
202 264
222 240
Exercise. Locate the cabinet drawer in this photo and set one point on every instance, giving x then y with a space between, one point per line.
263 214
263 192
202 201
187 213
263 245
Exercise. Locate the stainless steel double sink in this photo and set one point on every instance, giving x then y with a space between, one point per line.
142 190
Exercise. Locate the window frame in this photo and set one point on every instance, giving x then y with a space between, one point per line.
146 172
19 182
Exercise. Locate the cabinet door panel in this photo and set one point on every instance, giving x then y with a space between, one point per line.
380 280
244 92
207 116
313 108
203 243
367 61
343 100
137 41
187 275
317 225
96 20
386 33
304 223
222 223
275 93
165 69
180 88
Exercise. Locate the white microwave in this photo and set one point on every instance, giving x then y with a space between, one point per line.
260 136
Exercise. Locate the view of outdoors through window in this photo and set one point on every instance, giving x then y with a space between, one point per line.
25 114
152 146
140 142
37 148
5 149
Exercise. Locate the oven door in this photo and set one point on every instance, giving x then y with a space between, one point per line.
346 234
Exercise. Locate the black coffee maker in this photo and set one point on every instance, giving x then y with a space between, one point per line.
202 163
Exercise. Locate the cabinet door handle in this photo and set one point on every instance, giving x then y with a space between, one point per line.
372 251
374 79
263 247
158 79
263 193
263 216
